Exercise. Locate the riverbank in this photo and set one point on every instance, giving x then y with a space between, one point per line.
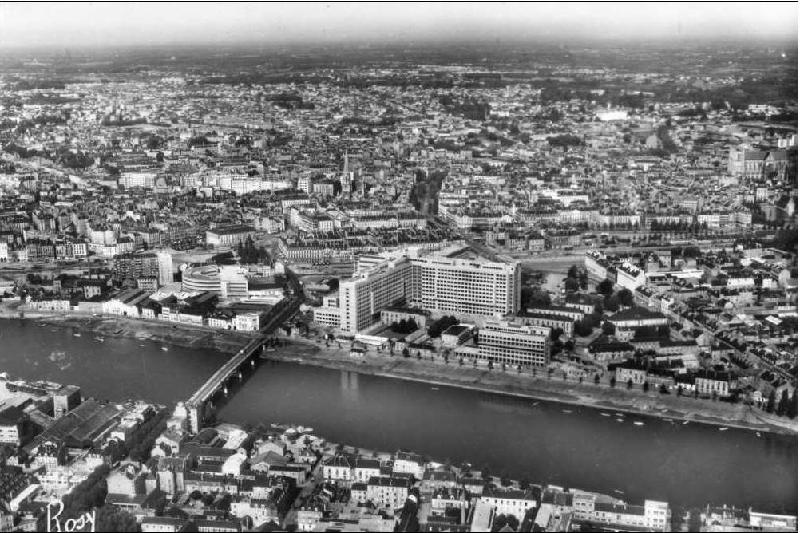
601 397
438 374
185 335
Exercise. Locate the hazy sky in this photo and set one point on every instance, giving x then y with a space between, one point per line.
110 24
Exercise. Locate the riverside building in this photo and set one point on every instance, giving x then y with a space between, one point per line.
435 283
225 281
368 292
473 286
514 344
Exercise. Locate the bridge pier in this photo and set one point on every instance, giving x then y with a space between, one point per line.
196 415
200 402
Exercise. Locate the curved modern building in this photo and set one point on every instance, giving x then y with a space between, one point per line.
227 281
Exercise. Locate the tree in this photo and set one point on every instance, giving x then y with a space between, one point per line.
583 278
608 328
646 386
613 382
534 298
630 384
625 297
583 328
612 303
783 404
90 493
573 272
571 285
437 327
596 379
793 405
771 402
405 352
564 141
503 520
605 287
112 518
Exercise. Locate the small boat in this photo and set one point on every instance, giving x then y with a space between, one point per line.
566 411
758 433
619 414
434 388
164 349
619 420
723 429
685 422
535 404
76 334
638 423
604 414
619 491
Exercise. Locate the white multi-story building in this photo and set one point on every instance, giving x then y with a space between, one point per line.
137 179
328 316
653 514
9 427
510 502
247 322
630 277
408 463
465 286
388 492
229 281
435 282
368 292
164 268
514 344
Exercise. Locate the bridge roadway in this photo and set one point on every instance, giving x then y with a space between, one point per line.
277 315
212 384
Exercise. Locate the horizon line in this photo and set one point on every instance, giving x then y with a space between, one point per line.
677 41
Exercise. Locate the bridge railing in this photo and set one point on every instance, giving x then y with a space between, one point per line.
224 371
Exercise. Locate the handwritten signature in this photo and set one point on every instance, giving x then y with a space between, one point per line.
71 524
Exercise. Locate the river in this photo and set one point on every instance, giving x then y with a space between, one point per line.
689 464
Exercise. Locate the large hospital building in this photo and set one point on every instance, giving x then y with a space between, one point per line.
439 282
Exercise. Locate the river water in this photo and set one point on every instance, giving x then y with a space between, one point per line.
689 464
